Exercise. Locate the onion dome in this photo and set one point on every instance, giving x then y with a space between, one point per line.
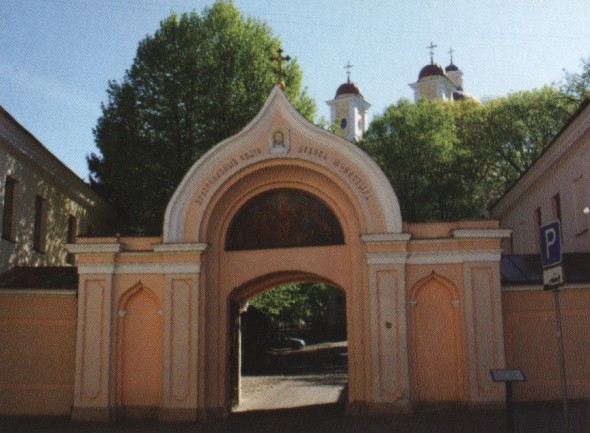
431 70
348 88
451 68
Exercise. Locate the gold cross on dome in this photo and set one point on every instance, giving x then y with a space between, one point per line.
431 47
348 67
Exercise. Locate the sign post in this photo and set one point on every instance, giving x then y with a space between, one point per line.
553 279
508 376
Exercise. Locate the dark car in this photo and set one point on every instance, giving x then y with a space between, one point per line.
279 340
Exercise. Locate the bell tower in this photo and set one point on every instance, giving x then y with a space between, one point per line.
348 110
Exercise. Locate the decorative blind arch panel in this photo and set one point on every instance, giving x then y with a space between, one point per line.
283 218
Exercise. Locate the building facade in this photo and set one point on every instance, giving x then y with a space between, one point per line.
157 331
43 204
555 187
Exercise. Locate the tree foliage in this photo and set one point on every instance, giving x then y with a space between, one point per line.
517 128
420 148
198 80
451 160
576 85
290 303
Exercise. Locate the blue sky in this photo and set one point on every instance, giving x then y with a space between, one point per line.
57 56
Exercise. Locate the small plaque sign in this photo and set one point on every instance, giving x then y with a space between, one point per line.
553 277
508 375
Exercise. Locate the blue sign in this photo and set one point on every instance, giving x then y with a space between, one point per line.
551 244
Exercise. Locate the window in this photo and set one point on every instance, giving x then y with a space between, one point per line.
39 229
580 202
538 222
72 233
556 207
9 208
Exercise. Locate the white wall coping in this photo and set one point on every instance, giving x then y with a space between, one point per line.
385 237
481 233
96 248
180 247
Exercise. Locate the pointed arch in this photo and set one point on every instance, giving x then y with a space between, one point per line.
434 278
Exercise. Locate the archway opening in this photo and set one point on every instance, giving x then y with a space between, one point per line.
289 347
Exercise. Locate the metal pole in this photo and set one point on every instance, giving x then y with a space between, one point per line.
561 358
509 409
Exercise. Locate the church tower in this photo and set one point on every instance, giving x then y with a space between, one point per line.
348 110
433 82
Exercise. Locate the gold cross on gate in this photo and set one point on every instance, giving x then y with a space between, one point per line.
279 70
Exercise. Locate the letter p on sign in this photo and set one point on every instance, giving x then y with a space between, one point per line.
551 244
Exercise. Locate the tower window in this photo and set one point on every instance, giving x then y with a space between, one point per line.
343 124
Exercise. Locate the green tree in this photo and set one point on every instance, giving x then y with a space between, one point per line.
198 80
517 128
288 304
576 85
452 160
420 150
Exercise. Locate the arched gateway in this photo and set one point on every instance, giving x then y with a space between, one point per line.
281 201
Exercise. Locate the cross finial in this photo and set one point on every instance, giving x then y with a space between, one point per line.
348 67
451 51
431 47
279 70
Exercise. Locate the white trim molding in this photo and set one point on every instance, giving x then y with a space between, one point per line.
180 247
139 268
482 233
377 238
98 248
461 256
387 258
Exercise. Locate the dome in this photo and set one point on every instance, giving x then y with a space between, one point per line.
451 68
431 70
348 88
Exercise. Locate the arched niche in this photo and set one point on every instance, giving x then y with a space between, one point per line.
283 218
139 353
437 355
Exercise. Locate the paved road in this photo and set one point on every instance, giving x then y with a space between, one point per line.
282 392
314 375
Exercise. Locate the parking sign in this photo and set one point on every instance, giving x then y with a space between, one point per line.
551 244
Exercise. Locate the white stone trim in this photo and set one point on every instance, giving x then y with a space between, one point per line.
139 268
110 248
461 256
387 258
385 237
36 292
482 233
180 247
